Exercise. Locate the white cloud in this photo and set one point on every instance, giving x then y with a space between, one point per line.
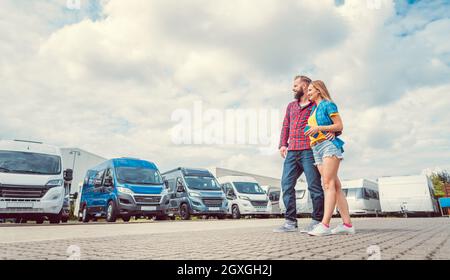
111 85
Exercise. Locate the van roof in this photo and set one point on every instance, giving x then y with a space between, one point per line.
133 162
237 179
29 147
187 171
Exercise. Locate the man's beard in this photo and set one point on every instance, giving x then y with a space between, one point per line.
299 94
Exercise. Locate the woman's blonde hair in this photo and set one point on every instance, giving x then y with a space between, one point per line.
323 91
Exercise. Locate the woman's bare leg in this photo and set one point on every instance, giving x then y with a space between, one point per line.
342 203
329 175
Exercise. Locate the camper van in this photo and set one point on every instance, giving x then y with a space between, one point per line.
274 197
362 197
194 192
31 181
303 200
409 195
123 187
245 196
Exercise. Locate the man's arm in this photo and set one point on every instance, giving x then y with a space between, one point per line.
285 129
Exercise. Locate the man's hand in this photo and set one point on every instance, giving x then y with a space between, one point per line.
283 151
330 136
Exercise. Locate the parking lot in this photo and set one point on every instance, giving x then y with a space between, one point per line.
245 239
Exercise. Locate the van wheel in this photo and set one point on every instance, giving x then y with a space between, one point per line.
236 214
111 213
84 215
160 218
40 221
184 212
126 219
55 219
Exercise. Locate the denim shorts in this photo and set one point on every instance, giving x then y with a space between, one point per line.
326 149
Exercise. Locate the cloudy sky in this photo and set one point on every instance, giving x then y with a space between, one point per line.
109 76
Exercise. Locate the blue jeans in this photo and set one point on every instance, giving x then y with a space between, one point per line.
295 164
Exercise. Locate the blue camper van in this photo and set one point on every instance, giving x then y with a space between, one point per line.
123 187
194 192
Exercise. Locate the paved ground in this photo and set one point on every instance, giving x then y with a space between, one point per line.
251 239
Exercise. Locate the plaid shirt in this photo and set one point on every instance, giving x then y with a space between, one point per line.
295 121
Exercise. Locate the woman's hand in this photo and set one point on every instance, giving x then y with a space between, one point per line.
313 130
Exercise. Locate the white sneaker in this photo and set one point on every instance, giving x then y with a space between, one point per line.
320 230
341 229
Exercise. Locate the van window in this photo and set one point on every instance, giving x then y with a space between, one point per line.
248 188
300 194
202 183
171 183
99 177
274 195
29 163
138 176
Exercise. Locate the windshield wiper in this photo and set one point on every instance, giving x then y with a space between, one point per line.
28 172
3 169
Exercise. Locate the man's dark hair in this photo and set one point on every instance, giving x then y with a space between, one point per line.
303 79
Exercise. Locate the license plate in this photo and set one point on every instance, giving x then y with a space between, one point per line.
148 208
261 210
19 205
214 208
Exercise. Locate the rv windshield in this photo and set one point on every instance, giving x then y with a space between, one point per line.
138 176
202 183
354 193
29 163
248 188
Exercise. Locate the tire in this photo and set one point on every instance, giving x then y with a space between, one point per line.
55 219
126 219
184 212
40 221
85 215
235 213
64 220
172 218
111 212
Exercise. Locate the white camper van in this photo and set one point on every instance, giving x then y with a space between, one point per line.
407 195
303 200
362 197
245 196
31 181
274 197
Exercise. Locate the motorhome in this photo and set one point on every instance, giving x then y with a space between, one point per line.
362 197
409 195
194 192
32 181
245 196
123 187
274 198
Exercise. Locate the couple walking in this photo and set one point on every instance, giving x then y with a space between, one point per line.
309 144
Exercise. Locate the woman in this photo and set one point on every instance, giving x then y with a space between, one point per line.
327 156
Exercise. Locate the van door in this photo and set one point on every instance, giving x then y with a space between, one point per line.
172 195
105 190
96 198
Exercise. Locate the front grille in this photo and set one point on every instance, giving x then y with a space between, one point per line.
12 191
259 203
212 202
147 199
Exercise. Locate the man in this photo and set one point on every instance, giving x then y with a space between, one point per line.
296 150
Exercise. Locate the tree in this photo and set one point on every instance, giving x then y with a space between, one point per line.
440 179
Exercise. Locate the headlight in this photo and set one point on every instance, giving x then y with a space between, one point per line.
194 194
244 197
125 190
55 183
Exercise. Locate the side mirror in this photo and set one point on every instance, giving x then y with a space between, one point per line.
74 196
68 175
166 184
97 182
108 182
180 188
